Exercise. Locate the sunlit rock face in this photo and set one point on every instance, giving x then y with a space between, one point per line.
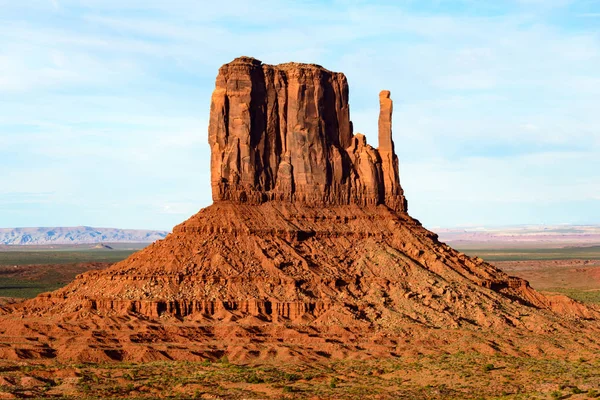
283 133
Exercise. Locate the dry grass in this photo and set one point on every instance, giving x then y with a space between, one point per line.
461 375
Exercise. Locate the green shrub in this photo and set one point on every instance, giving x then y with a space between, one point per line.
253 378
291 377
333 382
488 367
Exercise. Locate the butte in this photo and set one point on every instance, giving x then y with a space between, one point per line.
307 252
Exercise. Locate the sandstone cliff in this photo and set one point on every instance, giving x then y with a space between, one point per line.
283 132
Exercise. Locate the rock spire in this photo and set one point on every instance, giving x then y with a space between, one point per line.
283 133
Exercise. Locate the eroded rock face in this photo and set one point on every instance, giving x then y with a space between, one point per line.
284 133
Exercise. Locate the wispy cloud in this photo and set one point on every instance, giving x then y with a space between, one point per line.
181 209
7 199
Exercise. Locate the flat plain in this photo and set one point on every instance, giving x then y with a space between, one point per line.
26 271
573 271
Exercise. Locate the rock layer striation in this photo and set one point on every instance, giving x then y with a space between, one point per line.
283 132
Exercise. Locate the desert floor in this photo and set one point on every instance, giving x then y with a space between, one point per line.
574 271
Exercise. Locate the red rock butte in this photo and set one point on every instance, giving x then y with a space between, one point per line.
284 133
307 253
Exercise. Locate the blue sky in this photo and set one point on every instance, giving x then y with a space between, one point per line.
104 104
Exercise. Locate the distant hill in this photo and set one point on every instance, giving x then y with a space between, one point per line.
525 235
76 235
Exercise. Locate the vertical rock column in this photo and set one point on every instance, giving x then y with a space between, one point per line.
236 126
392 191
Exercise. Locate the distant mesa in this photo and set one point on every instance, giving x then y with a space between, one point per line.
76 235
103 246
523 236
307 253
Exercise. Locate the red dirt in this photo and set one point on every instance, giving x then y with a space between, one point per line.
567 274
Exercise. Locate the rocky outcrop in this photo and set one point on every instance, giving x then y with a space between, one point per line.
283 133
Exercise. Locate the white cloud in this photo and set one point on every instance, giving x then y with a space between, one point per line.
473 80
182 209
530 127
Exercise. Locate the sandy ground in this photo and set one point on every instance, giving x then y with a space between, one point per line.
544 274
